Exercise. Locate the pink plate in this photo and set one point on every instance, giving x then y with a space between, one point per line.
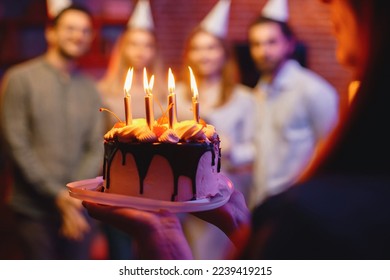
88 190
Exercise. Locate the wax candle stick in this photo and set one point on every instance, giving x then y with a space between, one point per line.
149 100
172 112
127 97
149 111
195 96
195 108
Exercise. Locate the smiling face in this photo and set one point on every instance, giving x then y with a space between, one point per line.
72 35
139 48
206 54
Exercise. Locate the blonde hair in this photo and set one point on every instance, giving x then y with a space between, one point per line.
118 65
230 72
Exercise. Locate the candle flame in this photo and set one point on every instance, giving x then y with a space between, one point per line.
146 85
128 82
171 81
194 87
151 83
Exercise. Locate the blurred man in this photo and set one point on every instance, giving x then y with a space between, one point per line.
52 128
297 108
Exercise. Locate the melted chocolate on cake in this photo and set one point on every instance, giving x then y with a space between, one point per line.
143 154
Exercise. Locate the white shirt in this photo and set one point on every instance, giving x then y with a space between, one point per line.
295 111
234 122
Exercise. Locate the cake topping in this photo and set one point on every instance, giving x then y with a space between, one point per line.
210 132
169 136
190 131
138 131
185 131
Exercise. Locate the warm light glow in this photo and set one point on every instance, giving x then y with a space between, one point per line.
128 82
146 85
352 90
194 88
195 94
171 82
151 83
148 99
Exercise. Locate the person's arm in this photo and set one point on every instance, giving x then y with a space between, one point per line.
16 127
158 234
92 159
74 223
17 135
323 109
231 218
243 151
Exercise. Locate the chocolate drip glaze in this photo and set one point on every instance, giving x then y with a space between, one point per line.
182 157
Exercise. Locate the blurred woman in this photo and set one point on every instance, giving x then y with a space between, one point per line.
136 48
226 104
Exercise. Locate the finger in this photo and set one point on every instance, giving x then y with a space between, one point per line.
75 202
133 221
75 225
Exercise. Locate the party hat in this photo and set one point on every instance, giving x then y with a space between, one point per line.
217 20
276 10
142 16
56 6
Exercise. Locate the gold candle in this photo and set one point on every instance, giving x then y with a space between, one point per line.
149 100
127 97
195 96
172 113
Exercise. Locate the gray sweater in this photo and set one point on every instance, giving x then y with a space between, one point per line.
53 131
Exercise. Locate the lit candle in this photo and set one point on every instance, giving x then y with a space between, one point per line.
172 113
127 98
195 95
149 99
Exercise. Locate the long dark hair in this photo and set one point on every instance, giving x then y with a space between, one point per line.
361 143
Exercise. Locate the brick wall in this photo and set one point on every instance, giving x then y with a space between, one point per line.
173 19
310 20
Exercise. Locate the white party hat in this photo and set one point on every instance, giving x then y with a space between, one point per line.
276 10
56 6
217 20
142 16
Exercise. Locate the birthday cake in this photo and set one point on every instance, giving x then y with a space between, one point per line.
174 164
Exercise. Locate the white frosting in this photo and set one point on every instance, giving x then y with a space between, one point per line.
210 132
185 131
190 131
146 136
169 136
138 131
111 133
